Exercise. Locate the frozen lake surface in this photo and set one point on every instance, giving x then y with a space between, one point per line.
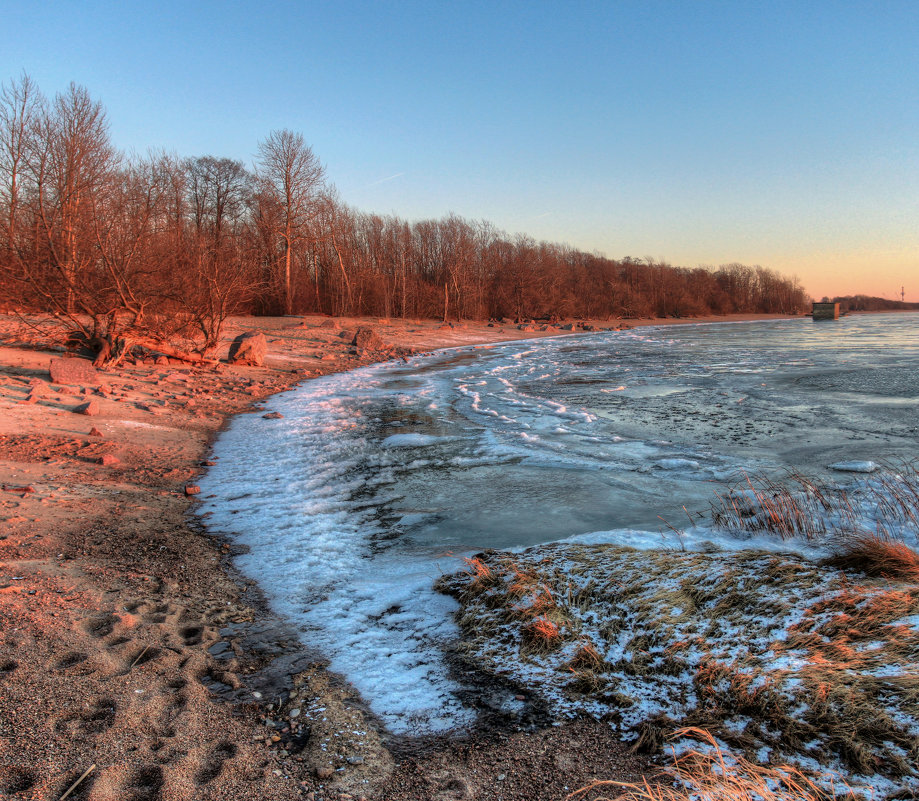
376 481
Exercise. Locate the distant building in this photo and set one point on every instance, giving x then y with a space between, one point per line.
825 311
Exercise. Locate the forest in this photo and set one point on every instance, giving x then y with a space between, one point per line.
871 303
168 247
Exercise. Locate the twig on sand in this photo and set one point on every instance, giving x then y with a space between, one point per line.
139 656
76 784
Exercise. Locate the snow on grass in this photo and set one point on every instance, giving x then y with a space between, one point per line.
764 650
776 652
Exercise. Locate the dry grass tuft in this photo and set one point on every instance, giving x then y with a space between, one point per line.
483 576
796 506
586 657
542 634
874 555
712 775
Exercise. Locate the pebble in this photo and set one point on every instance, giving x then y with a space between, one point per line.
355 760
295 713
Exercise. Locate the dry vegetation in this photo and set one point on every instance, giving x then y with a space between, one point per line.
797 506
780 658
710 774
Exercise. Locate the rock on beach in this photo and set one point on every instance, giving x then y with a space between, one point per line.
366 338
73 371
90 407
248 348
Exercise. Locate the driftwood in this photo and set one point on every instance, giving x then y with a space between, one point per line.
112 354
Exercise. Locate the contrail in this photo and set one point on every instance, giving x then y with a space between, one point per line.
384 180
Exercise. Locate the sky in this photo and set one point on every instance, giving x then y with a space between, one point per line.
784 134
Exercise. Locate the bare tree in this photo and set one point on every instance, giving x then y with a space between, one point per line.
21 107
219 279
72 163
292 180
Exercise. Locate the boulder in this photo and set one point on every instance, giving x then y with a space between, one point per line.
367 339
248 348
73 371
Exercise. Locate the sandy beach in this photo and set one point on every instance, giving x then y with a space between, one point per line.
130 649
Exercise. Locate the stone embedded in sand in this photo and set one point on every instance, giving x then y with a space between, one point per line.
367 339
90 407
108 460
324 773
192 489
346 334
73 371
272 416
330 323
248 348
95 432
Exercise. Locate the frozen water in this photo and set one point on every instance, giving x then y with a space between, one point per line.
854 467
374 481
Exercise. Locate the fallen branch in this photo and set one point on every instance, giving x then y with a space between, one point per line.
124 345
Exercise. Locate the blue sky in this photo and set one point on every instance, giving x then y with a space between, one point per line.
781 134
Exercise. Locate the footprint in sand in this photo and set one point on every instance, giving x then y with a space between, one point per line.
140 656
450 787
143 784
16 779
69 659
212 764
95 720
100 625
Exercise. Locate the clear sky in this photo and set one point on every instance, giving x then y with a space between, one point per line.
784 134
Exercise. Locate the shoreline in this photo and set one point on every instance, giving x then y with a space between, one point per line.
121 615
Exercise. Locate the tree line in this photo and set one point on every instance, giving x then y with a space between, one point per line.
871 303
155 244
